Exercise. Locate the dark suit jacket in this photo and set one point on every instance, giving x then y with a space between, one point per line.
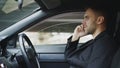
96 53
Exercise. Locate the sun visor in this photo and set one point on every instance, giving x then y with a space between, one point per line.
49 4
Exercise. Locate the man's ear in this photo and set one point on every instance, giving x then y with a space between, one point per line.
100 20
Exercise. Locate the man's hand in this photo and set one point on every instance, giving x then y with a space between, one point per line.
78 32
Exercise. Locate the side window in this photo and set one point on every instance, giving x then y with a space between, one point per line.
56 30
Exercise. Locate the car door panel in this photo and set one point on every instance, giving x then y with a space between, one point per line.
52 56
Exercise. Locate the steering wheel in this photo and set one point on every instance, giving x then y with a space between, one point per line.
29 53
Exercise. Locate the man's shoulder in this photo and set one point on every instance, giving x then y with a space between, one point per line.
106 42
106 38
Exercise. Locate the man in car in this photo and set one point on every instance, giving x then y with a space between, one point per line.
96 53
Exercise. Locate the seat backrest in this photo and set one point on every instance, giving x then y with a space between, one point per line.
116 60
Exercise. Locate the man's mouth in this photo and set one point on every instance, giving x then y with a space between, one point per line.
84 25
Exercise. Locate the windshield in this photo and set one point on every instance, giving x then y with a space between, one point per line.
11 14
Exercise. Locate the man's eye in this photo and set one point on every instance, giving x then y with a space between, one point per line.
86 18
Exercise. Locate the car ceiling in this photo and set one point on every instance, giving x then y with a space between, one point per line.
11 18
76 4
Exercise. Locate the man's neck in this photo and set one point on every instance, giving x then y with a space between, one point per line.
97 32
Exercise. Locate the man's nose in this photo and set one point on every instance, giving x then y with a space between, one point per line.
83 21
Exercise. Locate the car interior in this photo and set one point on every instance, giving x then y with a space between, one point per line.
34 33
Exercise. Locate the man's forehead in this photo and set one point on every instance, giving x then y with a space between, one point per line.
88 12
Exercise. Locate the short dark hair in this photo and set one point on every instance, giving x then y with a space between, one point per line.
101 9
106 10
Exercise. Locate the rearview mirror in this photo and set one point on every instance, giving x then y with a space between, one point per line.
20 3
